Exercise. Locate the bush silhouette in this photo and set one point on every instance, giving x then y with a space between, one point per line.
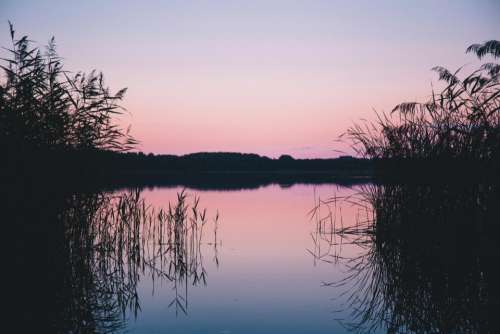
460 122
44 107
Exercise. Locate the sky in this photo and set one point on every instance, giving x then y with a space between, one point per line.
267 77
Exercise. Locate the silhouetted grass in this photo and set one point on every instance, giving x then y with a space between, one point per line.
427 261
45 107
462 122
109 242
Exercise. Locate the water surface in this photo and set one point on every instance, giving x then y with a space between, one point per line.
402 258
267 281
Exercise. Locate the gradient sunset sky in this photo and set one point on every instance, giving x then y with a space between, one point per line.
269 77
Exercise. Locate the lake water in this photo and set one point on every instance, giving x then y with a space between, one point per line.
266 280
279 259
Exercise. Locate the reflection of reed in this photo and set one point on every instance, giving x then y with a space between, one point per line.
113 240
329 220
429 260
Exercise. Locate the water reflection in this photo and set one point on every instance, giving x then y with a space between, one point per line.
428 259
400 258
109 242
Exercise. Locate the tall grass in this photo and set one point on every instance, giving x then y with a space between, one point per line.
110 241
426 261
43 106
462 121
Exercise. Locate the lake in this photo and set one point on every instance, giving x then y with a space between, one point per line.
266 280
300 258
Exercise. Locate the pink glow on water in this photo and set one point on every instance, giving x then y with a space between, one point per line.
265 222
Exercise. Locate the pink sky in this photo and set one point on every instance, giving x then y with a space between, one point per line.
269 77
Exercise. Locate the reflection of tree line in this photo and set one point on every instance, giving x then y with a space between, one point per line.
109 242
428 260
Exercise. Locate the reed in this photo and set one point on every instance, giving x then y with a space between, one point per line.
45 107
461 122
426 260
110 242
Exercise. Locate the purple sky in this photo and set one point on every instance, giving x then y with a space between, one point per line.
269 77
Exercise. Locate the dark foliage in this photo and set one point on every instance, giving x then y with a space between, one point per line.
429 262
234 162
45 108
462 122
81 254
